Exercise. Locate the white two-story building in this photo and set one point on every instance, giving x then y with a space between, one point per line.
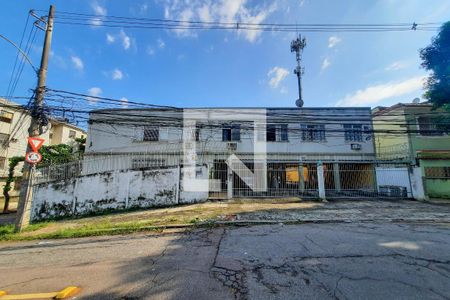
290 143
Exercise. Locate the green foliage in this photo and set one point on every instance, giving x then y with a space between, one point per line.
436 58
13 162
62 153
56 154
81 144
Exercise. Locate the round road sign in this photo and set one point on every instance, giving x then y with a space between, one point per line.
33 157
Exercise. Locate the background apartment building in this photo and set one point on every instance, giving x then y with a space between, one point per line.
416 133
14 123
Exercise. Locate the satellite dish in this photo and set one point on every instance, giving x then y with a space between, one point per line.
299 103
416 101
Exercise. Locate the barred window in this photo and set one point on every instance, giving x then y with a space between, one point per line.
313 133
277 133
72 134
142 163
231 133
353 132
437 172
151 134
429 126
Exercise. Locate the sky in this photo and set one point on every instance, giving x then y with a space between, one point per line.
229 68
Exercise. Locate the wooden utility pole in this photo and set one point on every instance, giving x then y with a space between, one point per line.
35 129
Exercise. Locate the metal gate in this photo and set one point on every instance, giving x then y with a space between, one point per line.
340 180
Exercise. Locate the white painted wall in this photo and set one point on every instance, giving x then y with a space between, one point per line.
111 190
393 176
105 138
418 190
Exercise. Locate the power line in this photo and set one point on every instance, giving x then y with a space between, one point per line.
73 18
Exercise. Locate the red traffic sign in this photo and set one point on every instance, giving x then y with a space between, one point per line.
33 157
35 143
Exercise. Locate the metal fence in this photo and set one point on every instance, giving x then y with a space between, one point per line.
105 163
342 179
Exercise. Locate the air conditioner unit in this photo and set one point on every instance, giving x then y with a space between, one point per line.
231 146
356 146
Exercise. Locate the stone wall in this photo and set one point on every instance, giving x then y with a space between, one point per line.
114 190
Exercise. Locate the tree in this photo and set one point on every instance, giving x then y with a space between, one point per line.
13 162
61 153
436 58
55 154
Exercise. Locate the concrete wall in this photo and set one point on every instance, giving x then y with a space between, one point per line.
436 187
395 177
111 191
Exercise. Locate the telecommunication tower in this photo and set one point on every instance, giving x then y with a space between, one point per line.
297 46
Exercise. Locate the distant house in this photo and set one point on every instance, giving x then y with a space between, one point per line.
416 133
297 142
14 123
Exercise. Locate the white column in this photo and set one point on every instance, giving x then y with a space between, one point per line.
337 178
321 180
229 183
417 184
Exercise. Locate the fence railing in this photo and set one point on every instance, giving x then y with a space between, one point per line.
394 152
283 179
100 164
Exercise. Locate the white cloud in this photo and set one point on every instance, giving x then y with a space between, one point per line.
277 75
117 74
121 37
235 11
57 60
396 65
333 41
150 50
374 94
126 40
95 92
110 38
204 13
143 8
100 11
77 62
161 44
325 64
124 102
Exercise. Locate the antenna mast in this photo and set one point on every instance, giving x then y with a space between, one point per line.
297 46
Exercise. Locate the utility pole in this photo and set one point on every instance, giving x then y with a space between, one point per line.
38 121
297 46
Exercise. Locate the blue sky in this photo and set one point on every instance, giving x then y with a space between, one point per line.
230 68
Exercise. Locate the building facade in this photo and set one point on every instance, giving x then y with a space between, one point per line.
14 123
290 144
416 133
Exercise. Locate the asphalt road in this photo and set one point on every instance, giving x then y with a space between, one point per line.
309 261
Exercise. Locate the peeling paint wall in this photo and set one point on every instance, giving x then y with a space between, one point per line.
111 191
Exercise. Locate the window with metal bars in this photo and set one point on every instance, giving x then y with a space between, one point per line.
437 172
313 132
231 133
151 134
353 132
277 133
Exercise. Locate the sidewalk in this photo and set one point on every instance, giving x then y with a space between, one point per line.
243 211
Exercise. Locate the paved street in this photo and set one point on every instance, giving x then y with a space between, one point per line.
308 261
